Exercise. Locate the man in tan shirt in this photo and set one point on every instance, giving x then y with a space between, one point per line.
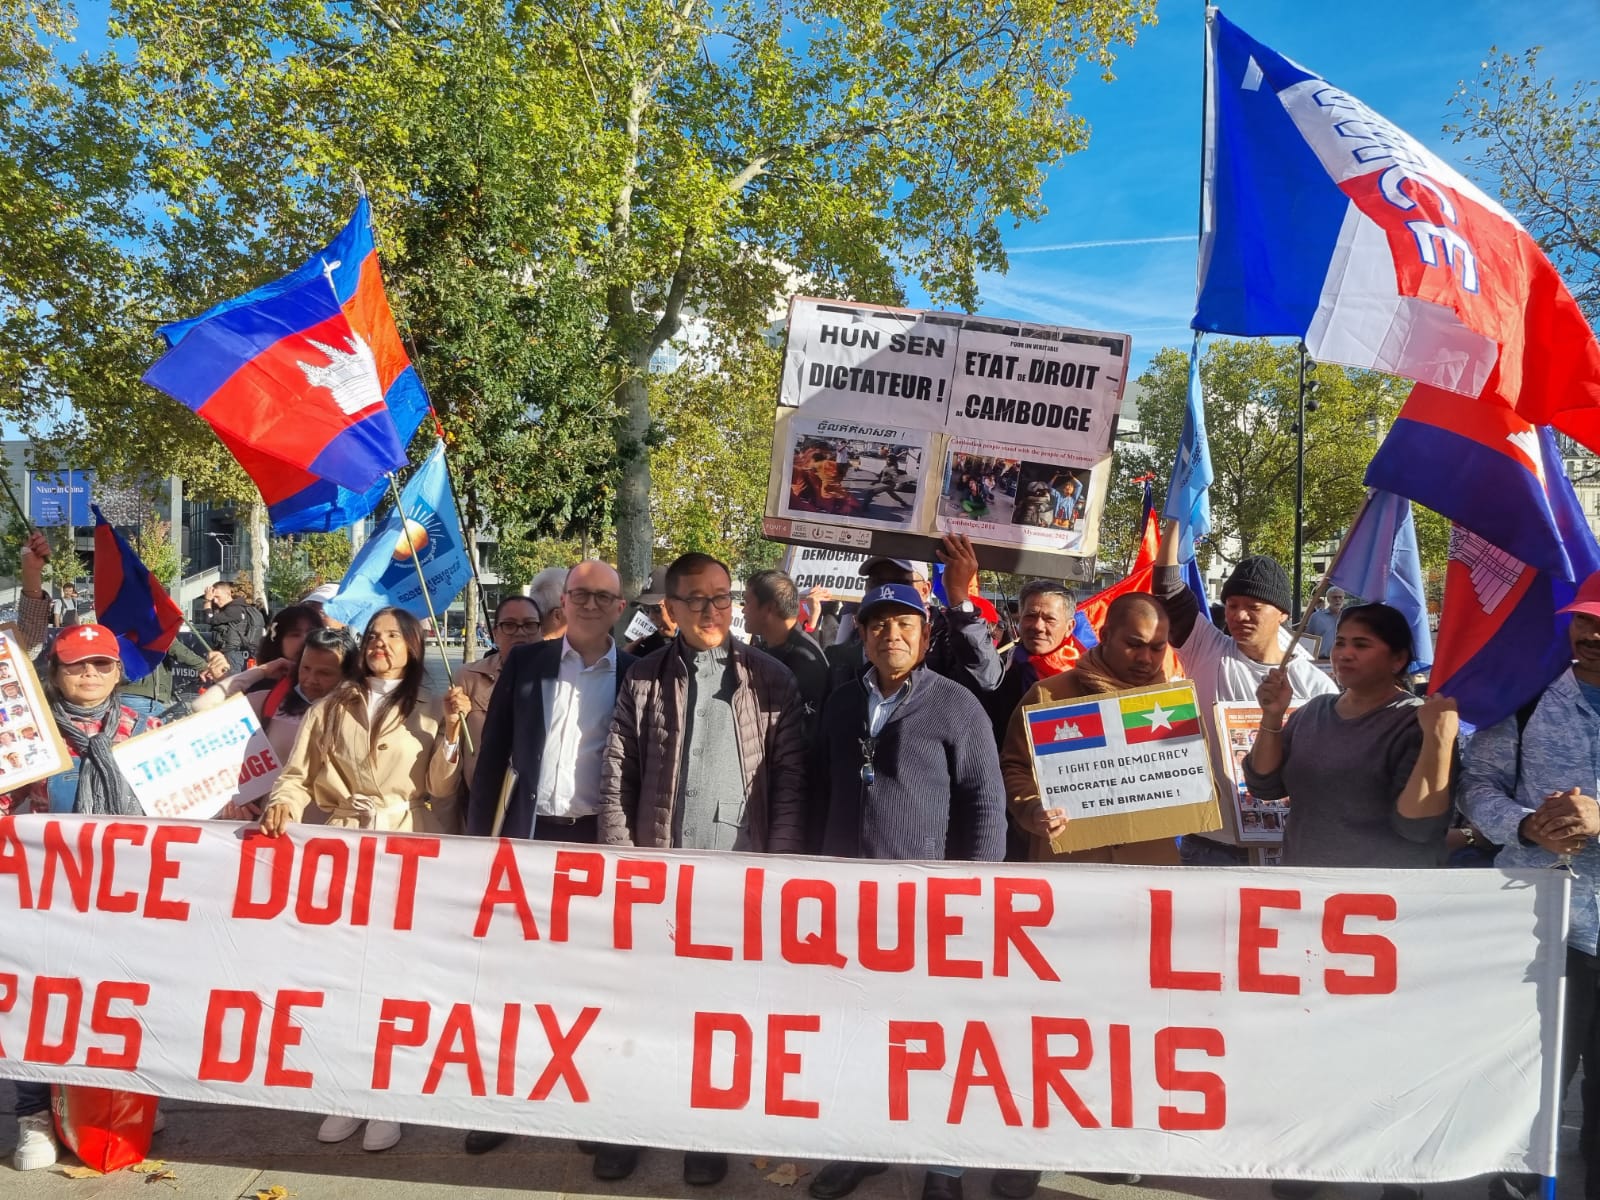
1132 654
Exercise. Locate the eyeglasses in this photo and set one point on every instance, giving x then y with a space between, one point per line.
102 666
514 627
584 598
722 602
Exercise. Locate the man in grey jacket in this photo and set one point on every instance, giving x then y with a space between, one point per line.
706 752
1529 785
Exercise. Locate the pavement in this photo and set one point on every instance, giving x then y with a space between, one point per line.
212 1152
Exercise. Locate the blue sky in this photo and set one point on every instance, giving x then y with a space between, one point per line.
1138 182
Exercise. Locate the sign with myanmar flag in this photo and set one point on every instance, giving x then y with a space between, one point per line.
1124 767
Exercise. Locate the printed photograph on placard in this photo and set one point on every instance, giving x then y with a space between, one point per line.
30 746
854 472
1004 493
1259 820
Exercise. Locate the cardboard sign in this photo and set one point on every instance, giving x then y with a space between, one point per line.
1199 1023
30 744
640 627
896 426
1124 766
1261 822
198 766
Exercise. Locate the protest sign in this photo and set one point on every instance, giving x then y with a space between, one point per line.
1303 1024
1124 766
640 627
1260 821
30 744
198 766
880 408
816 567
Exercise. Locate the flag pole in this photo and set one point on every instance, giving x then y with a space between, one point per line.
404 327
427 597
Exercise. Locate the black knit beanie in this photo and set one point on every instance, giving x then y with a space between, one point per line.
1260 578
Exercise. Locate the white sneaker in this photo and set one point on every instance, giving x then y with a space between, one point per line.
336 1129
36 1142
380 1135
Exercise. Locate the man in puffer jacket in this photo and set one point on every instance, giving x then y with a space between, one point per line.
707 752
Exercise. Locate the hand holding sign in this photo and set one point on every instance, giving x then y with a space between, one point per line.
1274 695
1041 821
960 567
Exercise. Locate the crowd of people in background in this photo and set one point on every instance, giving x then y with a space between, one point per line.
892 728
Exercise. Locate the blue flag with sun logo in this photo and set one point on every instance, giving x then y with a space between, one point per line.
426 531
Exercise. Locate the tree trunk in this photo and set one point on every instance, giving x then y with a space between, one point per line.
470 650
635 537
259 552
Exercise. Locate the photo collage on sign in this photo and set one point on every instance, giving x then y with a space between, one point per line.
1259 820
30 748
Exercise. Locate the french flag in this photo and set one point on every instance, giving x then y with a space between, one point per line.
307 496
1324 221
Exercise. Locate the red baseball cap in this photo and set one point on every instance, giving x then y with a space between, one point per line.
1587 601
76 643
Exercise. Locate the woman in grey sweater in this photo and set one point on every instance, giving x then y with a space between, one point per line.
1369 772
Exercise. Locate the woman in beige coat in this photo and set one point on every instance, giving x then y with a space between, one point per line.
376 754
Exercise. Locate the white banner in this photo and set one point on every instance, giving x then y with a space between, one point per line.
198 766
1191 1022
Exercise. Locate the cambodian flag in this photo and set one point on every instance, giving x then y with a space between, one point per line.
1500 641
1323 221
300 496
1481 465
130 601
1058 730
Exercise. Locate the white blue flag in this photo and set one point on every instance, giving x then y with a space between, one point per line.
1188 493
1379 562
425 531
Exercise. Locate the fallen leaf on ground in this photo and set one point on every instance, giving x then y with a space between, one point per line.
162 1176
150 1166
759 1164
81 1173
787 1175
276 1192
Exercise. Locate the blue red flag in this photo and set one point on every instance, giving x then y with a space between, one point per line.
1063 729
1323 221
1479 464
300 496
1500 642
130 601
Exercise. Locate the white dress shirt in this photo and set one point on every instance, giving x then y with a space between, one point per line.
577 716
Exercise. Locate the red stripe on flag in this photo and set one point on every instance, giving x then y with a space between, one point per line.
1488 422
370 315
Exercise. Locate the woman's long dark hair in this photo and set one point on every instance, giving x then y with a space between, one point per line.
405 697
284 622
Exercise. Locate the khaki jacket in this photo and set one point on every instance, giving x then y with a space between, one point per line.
406 777
1022 790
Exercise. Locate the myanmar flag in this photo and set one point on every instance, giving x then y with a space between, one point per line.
1156 716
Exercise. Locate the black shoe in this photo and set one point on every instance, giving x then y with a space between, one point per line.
1515 1187
1400 1191
703 1170
1122 1178
1014 1185
841 1178
615 1162
1293 1189
941 1187
481 1141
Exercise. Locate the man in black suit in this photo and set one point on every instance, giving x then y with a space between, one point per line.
548 719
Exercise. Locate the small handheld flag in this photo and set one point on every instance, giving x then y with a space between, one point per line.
130 601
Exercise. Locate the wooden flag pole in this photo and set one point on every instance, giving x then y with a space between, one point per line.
427 598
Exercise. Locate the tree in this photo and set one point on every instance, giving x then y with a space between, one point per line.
1541 148
685 157
1250 395
715 413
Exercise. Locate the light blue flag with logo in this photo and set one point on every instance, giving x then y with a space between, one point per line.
1379 562
384 573
1188 493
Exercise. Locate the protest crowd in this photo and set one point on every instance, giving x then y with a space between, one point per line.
911 725
903 738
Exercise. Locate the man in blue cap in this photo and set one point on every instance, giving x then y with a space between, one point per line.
906 769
